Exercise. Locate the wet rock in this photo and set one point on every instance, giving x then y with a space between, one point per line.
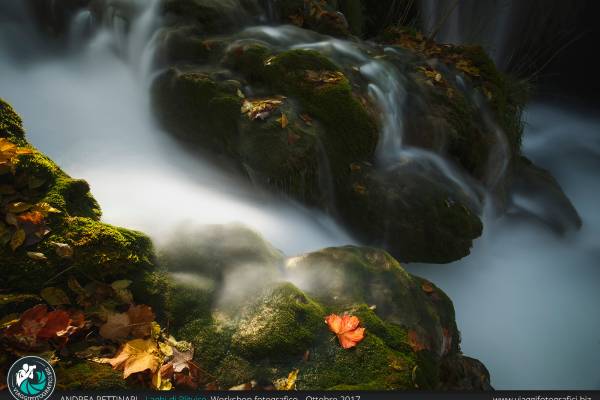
536 192
417 214
198 108
411 334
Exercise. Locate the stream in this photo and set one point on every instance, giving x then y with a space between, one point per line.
526 299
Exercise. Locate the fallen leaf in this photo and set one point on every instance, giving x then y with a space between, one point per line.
288 383
346 328
117 327
141 317
135 356
55 296
324 77
32 217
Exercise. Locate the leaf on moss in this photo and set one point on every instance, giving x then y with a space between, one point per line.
288 383
260 109
324 77
346 328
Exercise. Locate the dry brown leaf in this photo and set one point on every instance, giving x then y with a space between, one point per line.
117 327
141 317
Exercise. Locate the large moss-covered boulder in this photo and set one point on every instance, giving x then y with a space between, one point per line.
44 211
411 337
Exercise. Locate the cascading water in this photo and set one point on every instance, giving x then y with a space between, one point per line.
89 111
140 176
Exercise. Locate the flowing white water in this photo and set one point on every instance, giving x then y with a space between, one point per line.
90 113
525 299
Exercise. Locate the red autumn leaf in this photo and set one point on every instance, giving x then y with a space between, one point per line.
346 328
56 321
37 324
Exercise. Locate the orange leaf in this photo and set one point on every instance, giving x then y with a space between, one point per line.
34 217
346 328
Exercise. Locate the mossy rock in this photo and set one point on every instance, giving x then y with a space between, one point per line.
283 328
101 252
348 277
350 132
187 45
198 109
88 375
282 321
536 183
286 159
416 214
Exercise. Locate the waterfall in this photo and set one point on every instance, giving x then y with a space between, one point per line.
519 297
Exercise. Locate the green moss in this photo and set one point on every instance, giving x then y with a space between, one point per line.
211 341
350 133
282 322
508 95
198 109
370 365
188 303
11 125
248 59
87 375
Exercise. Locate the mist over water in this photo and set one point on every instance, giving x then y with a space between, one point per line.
526 299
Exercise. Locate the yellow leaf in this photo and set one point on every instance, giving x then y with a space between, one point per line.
18 239
45 208
137 355
283 120
288 383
